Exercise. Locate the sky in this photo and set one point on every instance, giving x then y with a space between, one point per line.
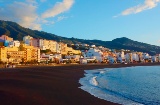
105 20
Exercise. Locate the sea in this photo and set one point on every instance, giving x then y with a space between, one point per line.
139 85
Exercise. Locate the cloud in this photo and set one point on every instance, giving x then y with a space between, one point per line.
23 13
148 4
58 8
61 18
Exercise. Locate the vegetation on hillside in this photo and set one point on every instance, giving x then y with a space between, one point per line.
17 32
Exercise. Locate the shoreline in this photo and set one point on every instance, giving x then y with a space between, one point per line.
50 85
100 64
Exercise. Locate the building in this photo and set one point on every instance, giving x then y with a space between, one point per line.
6 40
24 53
2 42
31 53
36 42
58 47
15 56
64 49
15 43
5 37
69 50
48 44
6 54
94 53
27 40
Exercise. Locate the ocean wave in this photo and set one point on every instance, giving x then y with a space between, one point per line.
90 84
93 81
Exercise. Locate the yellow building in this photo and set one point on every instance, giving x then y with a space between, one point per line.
30 53
16 55
70 51
76 52
4 51
64 49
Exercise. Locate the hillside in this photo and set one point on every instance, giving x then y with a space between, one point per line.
17 32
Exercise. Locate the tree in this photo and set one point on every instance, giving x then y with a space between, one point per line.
8 56
22 60
46 51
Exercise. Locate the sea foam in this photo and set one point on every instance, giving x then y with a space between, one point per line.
90 84
93 81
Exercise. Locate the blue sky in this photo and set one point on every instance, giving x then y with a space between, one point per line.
88 19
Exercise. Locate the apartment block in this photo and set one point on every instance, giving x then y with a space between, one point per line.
5 51
30 53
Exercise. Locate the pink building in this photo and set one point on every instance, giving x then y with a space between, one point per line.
5 37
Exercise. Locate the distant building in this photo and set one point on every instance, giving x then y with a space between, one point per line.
6 40
15 43
4 51
31 53
25 52
5 37
69 50
94 53
36 42
27 40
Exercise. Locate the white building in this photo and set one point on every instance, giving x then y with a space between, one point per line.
50 44
135 57
95 54
146 56
120 57
14 43
27 40
154 58
112 59
75 57
128 57
50 57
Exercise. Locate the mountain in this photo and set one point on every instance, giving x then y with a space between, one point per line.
17 32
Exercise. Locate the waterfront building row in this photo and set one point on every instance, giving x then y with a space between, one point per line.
16 52
29 50
24 53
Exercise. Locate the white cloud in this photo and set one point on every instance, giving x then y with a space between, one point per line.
148 4
58 8
61 18
23 13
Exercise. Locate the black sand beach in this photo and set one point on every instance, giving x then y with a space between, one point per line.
49 85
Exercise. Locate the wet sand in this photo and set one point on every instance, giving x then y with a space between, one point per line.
49 85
